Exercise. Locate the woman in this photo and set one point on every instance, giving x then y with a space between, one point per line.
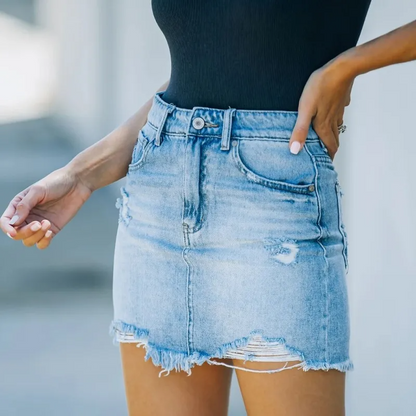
231 252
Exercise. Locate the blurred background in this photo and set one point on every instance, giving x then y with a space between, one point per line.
72 71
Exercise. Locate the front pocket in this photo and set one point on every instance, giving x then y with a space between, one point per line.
269 163
139 152
144 142
324 159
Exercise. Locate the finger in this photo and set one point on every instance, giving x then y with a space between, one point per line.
7 216
301 129
332 145
45 241
336 139
324 132
348 100
340 117
29 200
37 236
336 132
6 228
349 91
29 230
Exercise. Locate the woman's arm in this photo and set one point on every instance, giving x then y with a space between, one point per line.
328 89
107 160
396 46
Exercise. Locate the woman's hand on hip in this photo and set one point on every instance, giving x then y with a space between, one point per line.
322 103
39 212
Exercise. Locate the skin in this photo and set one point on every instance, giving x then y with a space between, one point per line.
291 392
54 200
204 393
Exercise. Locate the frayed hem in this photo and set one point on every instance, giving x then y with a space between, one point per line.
170 359
318 365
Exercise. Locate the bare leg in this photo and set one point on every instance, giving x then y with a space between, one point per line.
204 393
291 392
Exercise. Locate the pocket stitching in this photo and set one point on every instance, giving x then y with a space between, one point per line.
324 159
144 142
270 183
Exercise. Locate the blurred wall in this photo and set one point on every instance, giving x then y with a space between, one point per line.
77 28
380 155
113 57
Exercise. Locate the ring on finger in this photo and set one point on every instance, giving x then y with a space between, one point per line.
342 127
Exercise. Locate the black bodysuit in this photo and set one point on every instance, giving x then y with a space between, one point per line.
252 54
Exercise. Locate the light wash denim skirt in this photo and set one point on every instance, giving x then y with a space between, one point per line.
230 246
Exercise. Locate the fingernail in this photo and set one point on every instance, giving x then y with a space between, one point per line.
45 224
48 233
294 148
35 227
9 235
14 219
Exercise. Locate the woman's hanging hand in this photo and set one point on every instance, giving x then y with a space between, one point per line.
39 212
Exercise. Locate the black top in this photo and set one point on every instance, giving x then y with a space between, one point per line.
252 54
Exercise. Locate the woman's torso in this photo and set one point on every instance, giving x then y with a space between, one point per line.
252 54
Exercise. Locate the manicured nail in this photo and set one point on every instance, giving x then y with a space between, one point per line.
9 235
294 148
45 224
14 219
35 227
48 233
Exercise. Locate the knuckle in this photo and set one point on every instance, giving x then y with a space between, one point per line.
325 128
36 187
301 128
20 205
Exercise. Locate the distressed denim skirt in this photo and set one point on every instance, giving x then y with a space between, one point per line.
230 246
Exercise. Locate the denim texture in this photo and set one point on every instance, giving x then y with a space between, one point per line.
226 240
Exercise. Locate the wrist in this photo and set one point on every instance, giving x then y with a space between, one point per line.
82 172
104 162
347 64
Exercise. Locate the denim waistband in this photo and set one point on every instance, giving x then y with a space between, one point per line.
222 123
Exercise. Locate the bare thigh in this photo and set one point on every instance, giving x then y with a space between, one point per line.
204 393
291 392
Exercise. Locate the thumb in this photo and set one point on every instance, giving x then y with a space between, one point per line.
28 201
300 131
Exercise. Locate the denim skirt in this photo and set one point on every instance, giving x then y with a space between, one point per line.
230 246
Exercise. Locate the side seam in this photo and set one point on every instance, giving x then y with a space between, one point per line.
325 317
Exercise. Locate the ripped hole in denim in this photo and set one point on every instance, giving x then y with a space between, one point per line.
122 204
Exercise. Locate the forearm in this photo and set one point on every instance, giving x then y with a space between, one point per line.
394 47
107 160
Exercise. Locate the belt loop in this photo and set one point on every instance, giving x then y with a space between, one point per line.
167 110
226 128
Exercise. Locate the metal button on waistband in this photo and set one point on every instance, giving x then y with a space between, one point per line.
311 187
198 123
